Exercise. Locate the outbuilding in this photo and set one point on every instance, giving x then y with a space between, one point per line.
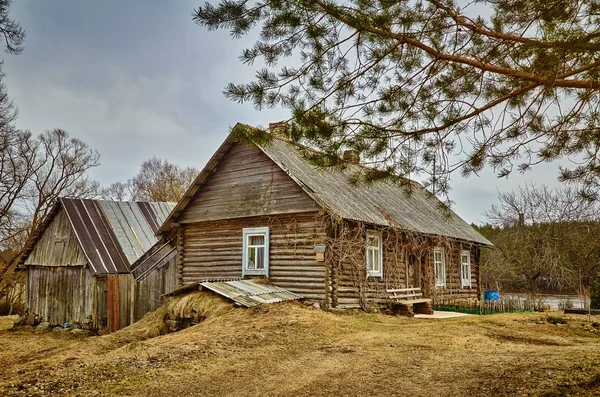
78 264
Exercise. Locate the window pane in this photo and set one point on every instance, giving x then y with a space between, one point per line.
256 240
376 260
373 241
251 258
260 258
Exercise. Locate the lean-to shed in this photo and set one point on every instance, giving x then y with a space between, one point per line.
262 210
78 264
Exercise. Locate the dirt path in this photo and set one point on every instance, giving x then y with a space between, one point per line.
289 349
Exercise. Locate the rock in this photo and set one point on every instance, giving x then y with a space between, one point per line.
316 305
59 329
75 325
80 332
87 324
20 321
43 326
30 320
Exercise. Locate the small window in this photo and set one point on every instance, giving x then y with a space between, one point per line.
465 269
255 256
439 267
374 254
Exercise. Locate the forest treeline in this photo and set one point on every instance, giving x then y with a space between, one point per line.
545 240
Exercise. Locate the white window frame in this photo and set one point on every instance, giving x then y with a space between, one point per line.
250 232
378 251
465 268
440 279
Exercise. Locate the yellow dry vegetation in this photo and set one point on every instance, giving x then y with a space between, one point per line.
293 350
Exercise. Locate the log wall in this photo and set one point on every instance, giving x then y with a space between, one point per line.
402 268
214 249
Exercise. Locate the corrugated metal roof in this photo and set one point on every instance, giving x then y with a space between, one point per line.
248 293
112 234
379 203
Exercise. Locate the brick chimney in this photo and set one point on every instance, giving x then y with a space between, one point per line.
278 128
351 156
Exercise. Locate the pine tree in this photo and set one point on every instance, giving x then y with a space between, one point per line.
409 84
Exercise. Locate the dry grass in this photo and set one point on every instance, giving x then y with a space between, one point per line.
290 349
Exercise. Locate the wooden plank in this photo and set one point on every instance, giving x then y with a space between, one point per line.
403 290
413 301
405 296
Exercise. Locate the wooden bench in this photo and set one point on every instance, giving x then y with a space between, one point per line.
409 301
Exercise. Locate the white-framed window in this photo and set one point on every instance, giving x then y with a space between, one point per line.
374 254
255 255
465 269
439 267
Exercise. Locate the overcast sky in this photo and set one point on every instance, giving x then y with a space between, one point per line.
138 79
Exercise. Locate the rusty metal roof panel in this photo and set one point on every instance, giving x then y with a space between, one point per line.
93 232
114 234
248 293
378 203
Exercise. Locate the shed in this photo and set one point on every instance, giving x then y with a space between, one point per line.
262 210
78 264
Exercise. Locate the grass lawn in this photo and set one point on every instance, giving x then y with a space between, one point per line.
293 350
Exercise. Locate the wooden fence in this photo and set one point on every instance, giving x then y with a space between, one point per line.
473 306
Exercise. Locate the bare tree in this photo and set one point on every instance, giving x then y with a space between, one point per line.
157 180
545 237
13 33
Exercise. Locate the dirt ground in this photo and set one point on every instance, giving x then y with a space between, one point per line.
293 350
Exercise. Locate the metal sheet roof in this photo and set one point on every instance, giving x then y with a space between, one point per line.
112 234
248 293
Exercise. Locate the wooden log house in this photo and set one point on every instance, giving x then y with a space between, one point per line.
263 211
78 264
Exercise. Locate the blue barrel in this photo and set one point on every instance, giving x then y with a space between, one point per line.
491 295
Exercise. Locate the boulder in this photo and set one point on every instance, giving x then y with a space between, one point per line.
43 326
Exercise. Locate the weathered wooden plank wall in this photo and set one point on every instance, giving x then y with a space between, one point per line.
247 183
100 298
214 249
60 294
149 290
58 245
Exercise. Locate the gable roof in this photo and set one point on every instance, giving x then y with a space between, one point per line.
378 203
112 234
